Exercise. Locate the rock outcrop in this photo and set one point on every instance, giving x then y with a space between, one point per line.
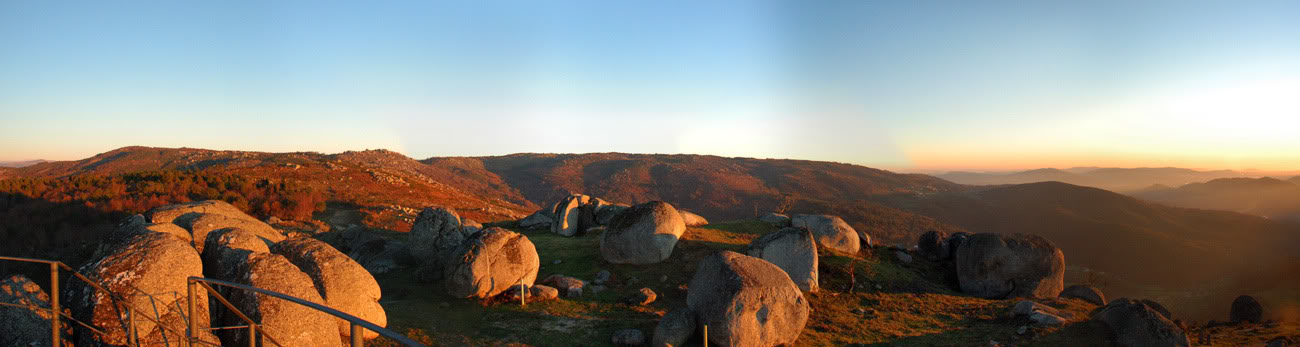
1007 266
933 245
746 301
674 329
692 220
154 263
177 213
28 325
831 232
568 215
435 232
1246 309
288 323
642 234
1086 293
200 224
776 219
607 213
490 262
341 282
538 220
1137 324
794 251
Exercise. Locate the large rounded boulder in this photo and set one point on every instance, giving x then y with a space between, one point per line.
435 232
1137 324
1086 293
746 301
1008 266
794 251
489 262
607 213
201 224
21 326
177 213
288 323
933 245
642 234
1245 309
831 232
343 283
568 216
538 220
154 263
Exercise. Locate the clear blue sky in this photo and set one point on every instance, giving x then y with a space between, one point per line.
896 84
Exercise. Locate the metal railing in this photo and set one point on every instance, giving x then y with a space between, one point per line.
358 325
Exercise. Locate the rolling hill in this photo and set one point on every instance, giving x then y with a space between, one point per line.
1267 197
1121 180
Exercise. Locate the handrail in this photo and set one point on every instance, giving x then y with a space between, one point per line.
348 317
56 335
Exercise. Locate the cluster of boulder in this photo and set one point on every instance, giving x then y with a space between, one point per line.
831 232
144 264
472 262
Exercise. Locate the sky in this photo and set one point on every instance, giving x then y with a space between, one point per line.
903 85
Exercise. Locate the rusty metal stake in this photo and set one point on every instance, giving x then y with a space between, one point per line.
706 335
252 335
523 292
130 329
191 334
357 339
55 336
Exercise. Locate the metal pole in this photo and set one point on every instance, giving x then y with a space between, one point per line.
130 331
706 335
523 292
55 336
191 334
252 335
357 339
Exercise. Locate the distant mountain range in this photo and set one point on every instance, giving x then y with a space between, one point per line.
1268 197
20 163
1122 180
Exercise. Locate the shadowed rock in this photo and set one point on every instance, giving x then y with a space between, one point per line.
794 251
830 231
1086 293
435 232
674 329
1007 266
341 282
567 215
746 301
933 245
608 212
538 220
1136 324
1246 309
777 219
28 325
489 262
642 234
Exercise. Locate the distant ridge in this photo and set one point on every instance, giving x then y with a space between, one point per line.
1123 180
1266 196
21 163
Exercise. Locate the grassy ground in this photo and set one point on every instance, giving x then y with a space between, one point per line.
869 299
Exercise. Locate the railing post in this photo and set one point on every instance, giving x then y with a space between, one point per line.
130 330
252 334
55 336
357 339
190 333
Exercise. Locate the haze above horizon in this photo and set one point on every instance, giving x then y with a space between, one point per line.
1000 85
